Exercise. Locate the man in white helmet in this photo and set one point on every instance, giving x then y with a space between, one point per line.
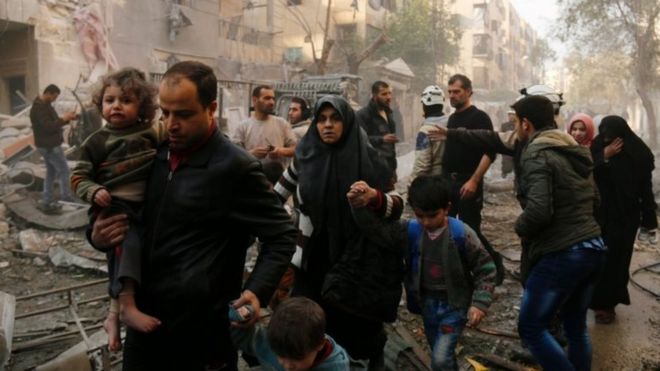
428 155
555 97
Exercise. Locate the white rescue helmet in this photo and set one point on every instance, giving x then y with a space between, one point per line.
555 97
432 95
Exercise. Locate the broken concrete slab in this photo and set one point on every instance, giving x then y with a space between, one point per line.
16 122
76 358
17 145
7 311
3 211
31 240
62 258
70 217
4 229
9 133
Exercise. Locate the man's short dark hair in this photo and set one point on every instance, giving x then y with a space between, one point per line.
465 81
52 89
297 328
256 92
201 75
304 106
429 193
537 109
375 87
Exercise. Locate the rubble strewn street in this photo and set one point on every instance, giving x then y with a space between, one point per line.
329 184
34 259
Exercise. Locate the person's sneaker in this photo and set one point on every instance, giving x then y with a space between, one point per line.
648 235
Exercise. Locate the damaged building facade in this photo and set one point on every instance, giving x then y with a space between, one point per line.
71 43
67 39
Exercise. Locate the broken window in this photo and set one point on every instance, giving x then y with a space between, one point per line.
481 45
293 55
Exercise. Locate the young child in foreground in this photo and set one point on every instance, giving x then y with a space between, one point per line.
450 277
295 339
111 175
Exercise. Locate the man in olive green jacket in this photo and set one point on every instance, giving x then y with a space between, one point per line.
562 248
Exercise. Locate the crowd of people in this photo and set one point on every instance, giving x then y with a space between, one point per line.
175 205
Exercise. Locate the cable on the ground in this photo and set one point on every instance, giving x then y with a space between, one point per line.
640 286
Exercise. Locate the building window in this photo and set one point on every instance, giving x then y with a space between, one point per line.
293 2
479 17
346 32
293 55
481 45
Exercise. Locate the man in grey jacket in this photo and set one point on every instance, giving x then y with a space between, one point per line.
562 248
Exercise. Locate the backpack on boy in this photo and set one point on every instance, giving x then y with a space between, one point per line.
457 233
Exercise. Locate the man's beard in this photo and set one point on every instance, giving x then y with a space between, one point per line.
457 105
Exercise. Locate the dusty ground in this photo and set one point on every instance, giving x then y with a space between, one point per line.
631 343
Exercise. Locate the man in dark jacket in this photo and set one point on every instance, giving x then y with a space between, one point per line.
47 129
377 120
562 249
205 198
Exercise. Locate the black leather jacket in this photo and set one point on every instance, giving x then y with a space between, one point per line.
199 221
376 127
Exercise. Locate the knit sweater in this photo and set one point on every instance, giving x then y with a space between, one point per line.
118 160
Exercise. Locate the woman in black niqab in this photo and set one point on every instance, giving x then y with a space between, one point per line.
627 202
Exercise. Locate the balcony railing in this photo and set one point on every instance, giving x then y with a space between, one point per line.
232 29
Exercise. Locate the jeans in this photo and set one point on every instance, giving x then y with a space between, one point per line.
56 169
443 324
560 282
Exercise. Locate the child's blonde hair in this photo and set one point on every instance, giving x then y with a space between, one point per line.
130 80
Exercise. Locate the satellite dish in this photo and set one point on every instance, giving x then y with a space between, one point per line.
375 4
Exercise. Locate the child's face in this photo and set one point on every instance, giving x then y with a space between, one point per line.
578 131
119 108
292 364
432 220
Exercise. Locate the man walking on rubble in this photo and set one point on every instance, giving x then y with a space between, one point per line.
266 136
377 120
47 129
205 198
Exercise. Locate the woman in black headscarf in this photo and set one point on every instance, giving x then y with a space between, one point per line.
623 167
357 284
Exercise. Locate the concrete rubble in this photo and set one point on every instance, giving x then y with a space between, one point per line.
7 310
40 253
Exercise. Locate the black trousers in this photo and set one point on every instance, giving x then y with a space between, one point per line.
191 351
468 210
